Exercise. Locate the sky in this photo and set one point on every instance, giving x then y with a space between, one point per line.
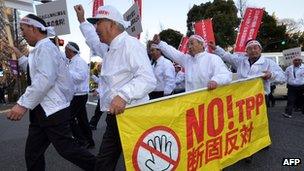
163 14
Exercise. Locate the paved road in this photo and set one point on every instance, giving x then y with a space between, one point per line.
287 141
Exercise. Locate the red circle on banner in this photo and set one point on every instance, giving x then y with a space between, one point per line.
141 146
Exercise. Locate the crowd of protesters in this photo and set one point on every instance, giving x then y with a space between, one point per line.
58 83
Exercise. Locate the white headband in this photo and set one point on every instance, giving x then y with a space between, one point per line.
197 37
253 42
154 46
72 48
35 23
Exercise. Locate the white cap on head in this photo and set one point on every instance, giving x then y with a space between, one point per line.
154 46
253 42
111 13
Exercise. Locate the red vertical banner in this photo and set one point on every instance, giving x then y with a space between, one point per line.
183 45
205 30
96 4
249 27
139 3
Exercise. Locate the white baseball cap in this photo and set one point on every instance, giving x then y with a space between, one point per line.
111 13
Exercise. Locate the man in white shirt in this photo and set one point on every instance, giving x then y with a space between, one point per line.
126 74
179 79
48 97
164 73
295 85
252 64
79 71
202 69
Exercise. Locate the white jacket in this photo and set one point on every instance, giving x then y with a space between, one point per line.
299 79
165 75
79 71
200 69
51 84
126 70
244 70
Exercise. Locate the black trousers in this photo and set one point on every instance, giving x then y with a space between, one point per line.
97 114
271 97
80 123
293 93
177 91
54 129
156 94
2 95
110 148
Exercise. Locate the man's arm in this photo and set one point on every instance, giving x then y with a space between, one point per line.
232 59
170 51
89 33
45 77
277 74
142 83
221 75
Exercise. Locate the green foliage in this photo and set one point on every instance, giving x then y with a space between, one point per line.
272 35
171 37
224 18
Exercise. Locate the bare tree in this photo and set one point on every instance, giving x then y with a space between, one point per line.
292 26
241 5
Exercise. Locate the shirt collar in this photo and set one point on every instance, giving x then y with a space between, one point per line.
74 58
160 58
300 66
41 42
115 44
199 54
261 60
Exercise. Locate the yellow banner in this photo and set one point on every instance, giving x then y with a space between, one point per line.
203 130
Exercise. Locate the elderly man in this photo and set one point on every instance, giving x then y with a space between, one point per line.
164 72
126 74
252 64
79 71
295 85
202 69
48 97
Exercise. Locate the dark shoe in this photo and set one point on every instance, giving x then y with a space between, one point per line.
297 110
286 115
92 127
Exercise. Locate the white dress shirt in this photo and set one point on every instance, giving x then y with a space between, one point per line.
51 84
164 72
295 75
126 70
244 70
180 80
79 71
200 69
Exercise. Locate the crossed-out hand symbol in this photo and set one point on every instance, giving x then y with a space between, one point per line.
163 145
